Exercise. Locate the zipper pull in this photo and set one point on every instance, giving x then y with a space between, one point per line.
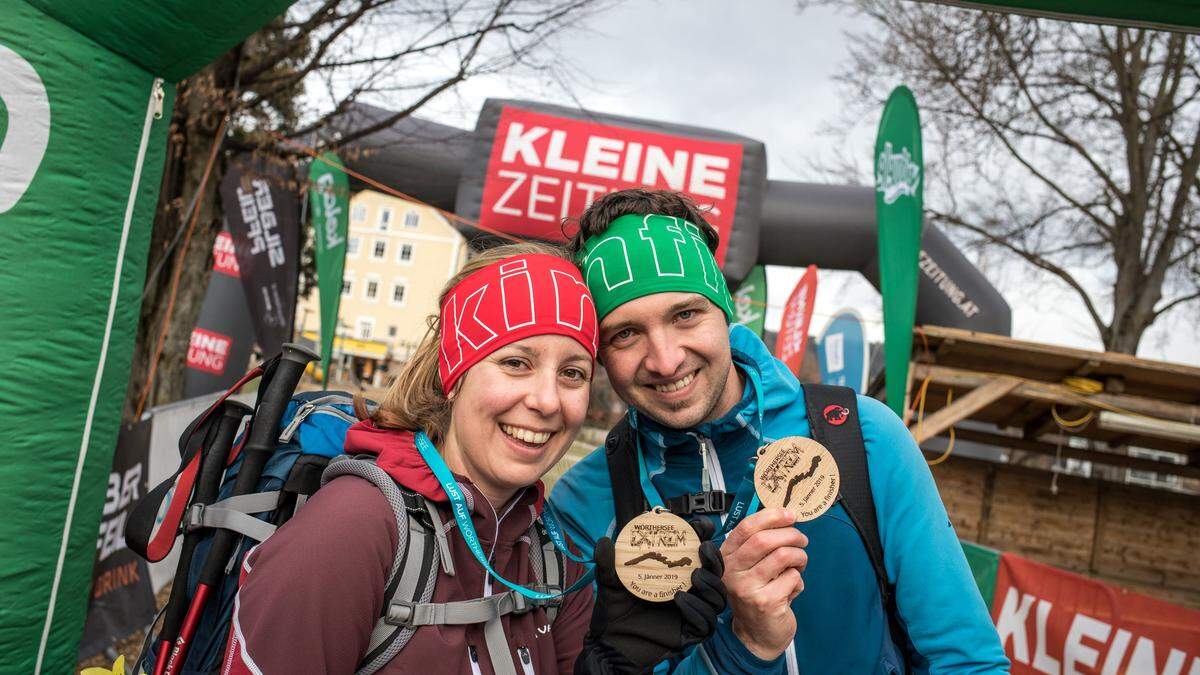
159 96
472 653
523 652
303 411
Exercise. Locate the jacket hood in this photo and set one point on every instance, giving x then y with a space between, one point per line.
767 379
396 453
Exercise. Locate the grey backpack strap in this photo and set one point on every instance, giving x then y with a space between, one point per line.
549 567
414 567
234 513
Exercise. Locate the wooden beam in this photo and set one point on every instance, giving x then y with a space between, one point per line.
1043 448
1049 392
972 402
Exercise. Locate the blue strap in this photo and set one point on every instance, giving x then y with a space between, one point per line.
550 521
462 515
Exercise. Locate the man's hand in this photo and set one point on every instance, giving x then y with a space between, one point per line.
764 557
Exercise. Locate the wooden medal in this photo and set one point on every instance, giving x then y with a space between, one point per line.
798 474
655 555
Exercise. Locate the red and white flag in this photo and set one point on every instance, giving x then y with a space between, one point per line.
797 314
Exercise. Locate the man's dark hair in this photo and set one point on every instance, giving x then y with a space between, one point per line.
613 205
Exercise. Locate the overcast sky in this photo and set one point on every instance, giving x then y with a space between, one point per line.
765 70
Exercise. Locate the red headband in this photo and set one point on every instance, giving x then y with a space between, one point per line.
511 300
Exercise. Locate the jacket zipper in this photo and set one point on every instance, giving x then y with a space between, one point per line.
474 657
711 476
487 577
526 660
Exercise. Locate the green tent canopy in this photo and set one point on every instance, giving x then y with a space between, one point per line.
85 101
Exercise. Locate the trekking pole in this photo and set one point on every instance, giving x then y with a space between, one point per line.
260 442
208 485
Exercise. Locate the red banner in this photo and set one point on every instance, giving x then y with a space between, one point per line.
1053 621
545 168
208 351
224 256
797 314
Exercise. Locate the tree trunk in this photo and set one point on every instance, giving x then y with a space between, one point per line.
199 107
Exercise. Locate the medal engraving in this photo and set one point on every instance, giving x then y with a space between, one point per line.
655 555
798 474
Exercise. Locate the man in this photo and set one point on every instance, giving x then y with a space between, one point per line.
703 397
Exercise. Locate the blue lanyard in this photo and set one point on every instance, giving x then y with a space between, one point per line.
462 516
745 500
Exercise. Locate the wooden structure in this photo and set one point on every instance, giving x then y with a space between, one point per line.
1032 397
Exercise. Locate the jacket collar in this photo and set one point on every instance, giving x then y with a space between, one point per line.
396 453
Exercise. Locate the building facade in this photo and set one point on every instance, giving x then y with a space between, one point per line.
399 255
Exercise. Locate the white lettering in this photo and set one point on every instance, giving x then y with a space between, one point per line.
501 206
554 156
633 157
23 145
1011 623
536 197
1043 662
602 157
672 171
708 175
520 142
1116 652
1074 651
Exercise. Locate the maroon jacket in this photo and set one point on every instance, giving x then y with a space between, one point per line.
312 592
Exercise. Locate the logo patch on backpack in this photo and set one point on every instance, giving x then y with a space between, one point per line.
835 414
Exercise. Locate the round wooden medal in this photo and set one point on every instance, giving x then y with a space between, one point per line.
798 474
655 555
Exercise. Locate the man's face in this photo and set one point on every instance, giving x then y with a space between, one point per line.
668 355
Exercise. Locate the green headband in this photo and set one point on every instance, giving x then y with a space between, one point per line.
641 255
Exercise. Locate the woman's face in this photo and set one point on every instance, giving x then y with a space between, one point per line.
516 412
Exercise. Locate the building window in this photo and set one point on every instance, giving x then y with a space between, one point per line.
366 326
385 218
380 250
399 291
352 247
372 289
347 287
406 253
412 219
359 214
392 330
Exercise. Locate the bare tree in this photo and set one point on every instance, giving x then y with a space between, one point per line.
1073 147
289 81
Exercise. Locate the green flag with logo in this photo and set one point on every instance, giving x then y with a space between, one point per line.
750 300
329 190
899 187
85 104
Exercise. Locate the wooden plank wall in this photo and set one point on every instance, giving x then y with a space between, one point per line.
1136 538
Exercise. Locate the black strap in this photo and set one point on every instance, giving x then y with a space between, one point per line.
713 502
620 449
834 422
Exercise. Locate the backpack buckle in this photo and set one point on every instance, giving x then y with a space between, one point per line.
710 502
401 613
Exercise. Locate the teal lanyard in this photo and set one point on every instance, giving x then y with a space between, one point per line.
745 500
462 515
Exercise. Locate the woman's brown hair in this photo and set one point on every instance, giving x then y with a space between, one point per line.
415 400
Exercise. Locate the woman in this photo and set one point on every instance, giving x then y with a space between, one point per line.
490 401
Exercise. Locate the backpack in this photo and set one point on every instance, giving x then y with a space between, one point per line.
833 419
309 453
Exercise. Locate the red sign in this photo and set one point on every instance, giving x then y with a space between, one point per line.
1053 621
797 314
224 258
545 168
208 351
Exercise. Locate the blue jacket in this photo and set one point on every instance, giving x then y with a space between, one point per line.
841 624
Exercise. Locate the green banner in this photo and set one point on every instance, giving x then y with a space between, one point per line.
329 190
84 115
984 562
750 300
899 187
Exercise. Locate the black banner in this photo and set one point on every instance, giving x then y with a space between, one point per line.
221 342
261 200
122 598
